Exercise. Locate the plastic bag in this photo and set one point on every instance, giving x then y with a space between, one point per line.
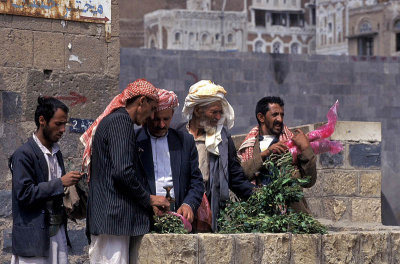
324 131
318 147
186 223
203 218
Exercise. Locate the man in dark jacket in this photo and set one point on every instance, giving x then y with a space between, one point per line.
119 204
170 158
38 181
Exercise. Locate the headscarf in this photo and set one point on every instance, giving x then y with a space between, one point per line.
246 150
136 88
167 100
204 93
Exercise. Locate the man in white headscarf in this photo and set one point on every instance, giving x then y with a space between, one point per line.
208 112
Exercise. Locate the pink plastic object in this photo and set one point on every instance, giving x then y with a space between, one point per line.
186 223
318 147
324 131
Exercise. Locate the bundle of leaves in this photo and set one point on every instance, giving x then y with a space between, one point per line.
268 209
168 223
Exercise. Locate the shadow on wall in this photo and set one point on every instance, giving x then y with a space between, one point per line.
280 67
388 217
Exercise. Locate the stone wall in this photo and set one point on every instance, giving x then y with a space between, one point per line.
339 247
69 60
367 89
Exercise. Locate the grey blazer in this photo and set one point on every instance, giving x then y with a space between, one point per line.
119 200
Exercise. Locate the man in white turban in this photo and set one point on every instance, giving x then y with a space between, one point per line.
170 159
208 112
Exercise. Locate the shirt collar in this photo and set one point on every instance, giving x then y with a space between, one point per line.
153 137
54 148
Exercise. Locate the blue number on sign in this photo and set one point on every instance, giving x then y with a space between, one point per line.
79 125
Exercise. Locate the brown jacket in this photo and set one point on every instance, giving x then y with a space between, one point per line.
306 164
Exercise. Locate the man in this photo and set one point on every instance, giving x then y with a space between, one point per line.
170 158
119 205
207 111
269 137
38 180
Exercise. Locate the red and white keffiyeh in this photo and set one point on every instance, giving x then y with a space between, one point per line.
167 100
136 88
246 150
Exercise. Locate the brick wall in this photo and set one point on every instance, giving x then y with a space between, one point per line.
54 58
367 89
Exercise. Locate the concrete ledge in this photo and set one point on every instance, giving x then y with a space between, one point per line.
335 247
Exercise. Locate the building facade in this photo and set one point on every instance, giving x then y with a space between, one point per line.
286 26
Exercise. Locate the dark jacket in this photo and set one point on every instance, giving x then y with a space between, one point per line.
186 175
118 202
228 175
31 190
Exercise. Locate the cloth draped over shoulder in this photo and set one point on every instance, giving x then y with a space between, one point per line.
245 151
136 88
204 93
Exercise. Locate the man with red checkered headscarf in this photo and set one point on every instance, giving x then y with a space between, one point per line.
119 204
170 158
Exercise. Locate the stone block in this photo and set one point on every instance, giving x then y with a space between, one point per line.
340 183
327 160
215 248
5 20
113 67
366 210
370 184
31 23
316 207
87 54
395 246
365 155
247 248
340 248
48 50
5 203
16 48
357 131
10 106
76 27
12 78
7 241
275 248
115 20
305 249
335 209
374 247
156 248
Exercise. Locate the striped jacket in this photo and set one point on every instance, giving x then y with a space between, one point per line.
119 198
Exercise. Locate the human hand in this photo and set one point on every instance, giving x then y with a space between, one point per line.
277 148
157 211
300 140
187 212
71 178
160 202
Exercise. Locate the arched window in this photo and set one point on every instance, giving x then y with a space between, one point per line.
191 39
152 44
365 26
258 47
204 38
276 47
230 38
177 36
295 48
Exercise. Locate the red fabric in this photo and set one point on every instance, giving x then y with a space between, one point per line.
203 218
167 100
247 148
138 87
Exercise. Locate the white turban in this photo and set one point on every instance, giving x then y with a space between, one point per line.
204 93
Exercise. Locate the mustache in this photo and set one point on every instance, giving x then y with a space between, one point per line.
277 123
